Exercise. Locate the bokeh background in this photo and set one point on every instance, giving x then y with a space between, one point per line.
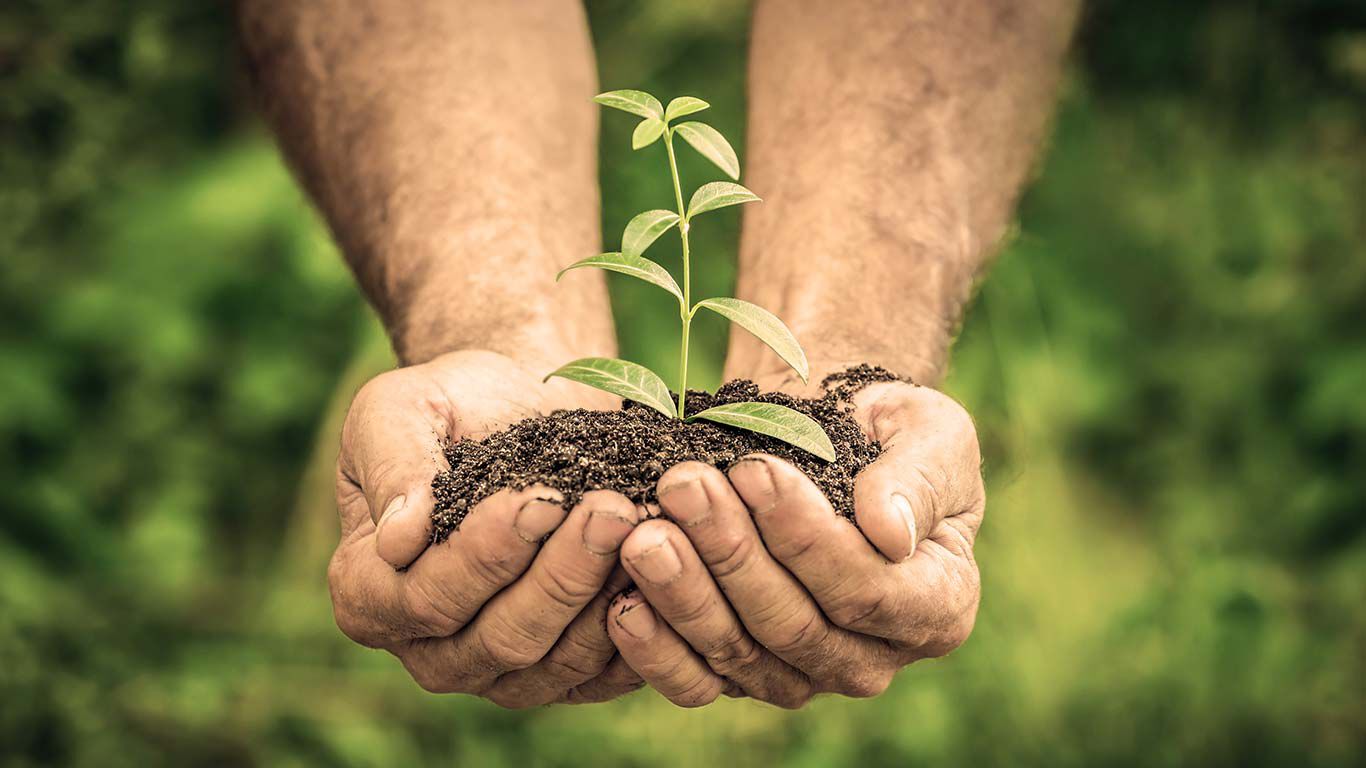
1168 368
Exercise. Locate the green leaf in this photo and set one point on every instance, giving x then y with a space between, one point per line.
622 378
647 133
635 266
684 105
766 326
712 145
718 194
635 102
778 421
644 229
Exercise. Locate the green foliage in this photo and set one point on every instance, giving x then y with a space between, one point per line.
718 195
635 102
622 378
644 229
635 266
1165 367
764 325
712 145
773 420
683 106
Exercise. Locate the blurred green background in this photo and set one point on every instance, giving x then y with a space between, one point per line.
1168 367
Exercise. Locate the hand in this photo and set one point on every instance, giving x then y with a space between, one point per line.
513 605
753 586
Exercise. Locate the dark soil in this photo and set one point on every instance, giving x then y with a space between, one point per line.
579 450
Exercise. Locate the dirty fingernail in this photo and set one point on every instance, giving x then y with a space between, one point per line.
638 620
686 502
659 565
755 481
902 505
605 531
537 519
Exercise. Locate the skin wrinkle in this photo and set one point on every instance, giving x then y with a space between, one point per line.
890 167
890 154
377 114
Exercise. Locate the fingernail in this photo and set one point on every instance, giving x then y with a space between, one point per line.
537 519
686 502
605 531
903 507
638 620
756 482
394 506
659 565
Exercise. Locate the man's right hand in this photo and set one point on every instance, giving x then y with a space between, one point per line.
512 606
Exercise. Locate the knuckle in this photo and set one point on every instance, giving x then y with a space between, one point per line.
732 651
431 609
866 684
952 637
571 668
733 553
860 608
690 609
800 634
493 568
792 697
662 667
699 693
509 649
792 549
567 587
511 699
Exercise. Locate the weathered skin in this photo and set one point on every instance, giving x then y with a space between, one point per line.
889 140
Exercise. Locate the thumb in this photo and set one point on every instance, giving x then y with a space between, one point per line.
402 509
930 469
389 450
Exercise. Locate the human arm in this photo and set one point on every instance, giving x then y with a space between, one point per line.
889 142
451 147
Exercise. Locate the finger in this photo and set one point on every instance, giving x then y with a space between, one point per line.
580 655
856 588
827 554
376 605
516 628
941 589
617 680
389 453
930 469
677 585
773 606
659 655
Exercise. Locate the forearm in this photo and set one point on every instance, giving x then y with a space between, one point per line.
889 142
452 149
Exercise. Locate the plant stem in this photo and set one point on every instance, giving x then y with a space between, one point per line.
685 309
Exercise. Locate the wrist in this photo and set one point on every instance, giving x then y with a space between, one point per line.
538 324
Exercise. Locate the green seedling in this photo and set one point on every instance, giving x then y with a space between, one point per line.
636 382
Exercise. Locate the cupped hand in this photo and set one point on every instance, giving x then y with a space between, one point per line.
752 585
512 606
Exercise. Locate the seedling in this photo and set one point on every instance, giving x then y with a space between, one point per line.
636 382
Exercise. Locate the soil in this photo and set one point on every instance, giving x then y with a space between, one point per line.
574 451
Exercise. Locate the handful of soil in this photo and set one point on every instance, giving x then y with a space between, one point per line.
574 451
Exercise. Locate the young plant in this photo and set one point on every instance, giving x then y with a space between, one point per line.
638 383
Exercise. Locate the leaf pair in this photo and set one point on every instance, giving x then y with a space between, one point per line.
640 384
763 324
705 139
